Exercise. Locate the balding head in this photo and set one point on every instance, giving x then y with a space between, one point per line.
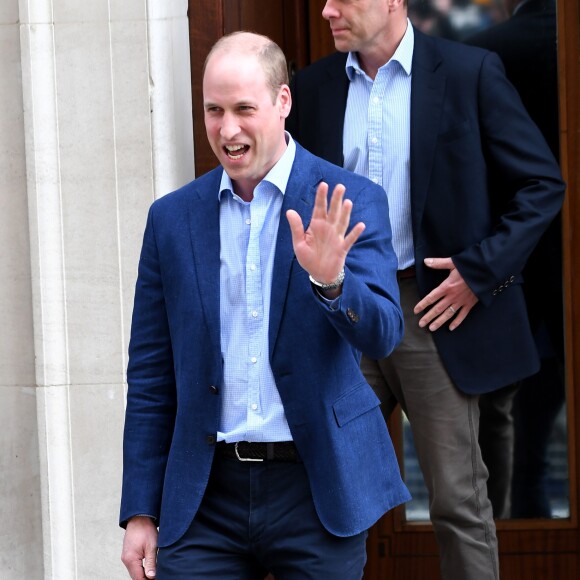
268 53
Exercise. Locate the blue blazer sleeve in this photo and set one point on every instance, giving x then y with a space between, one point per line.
151 400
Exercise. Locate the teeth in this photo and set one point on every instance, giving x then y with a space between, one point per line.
232 149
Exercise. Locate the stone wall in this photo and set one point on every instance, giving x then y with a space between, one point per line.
95 123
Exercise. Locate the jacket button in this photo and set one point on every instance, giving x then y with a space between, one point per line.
211 439
213 390
352 315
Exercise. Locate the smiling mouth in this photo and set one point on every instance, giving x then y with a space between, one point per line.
236 151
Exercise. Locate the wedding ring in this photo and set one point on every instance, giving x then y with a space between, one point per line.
452 309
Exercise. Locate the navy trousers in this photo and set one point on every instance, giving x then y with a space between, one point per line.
257 518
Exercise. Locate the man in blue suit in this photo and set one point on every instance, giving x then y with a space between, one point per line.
252 440
472 186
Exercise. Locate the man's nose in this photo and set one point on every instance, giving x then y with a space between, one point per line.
230 126
329 11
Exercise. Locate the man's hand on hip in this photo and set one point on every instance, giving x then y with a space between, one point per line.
451 301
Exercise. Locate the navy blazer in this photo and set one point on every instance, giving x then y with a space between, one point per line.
527 45
175 360
484 186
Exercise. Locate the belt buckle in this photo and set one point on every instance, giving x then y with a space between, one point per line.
244 458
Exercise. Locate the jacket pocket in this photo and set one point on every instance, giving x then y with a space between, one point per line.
354 404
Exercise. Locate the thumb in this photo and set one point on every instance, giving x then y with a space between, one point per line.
439 263
149 563
296 226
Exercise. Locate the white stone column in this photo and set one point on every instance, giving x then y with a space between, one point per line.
20 533
96 157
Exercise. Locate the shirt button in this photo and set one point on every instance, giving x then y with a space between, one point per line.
254 314
374 140
254 407
375 179
376 100
252 267
248 221
254 360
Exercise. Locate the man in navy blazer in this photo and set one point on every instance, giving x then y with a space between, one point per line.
472 186
252 439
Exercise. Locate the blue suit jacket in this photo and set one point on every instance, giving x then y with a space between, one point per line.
175 358
484 187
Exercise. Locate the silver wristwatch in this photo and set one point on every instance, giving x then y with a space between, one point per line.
332 285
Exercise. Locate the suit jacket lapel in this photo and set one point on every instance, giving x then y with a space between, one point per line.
205 244
299 196
427 94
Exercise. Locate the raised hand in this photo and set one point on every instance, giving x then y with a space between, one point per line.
321 250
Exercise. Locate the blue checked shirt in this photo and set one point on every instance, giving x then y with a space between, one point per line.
376 138
251 405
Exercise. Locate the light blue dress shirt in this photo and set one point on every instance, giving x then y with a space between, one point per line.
251 406
377 134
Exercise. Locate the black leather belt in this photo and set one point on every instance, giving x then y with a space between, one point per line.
246 451
406 273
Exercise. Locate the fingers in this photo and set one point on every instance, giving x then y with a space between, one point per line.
321 201
439 263
140 548
439 316
454 309
336 211
353 236
135 569
339 212
337 208
436 316
451 301
432 298
460 317
296 226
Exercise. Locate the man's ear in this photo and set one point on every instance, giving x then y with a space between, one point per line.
395 5
284 101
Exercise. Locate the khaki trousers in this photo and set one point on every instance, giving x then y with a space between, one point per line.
445 423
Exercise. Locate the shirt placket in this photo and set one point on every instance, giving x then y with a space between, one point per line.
375 127
255 308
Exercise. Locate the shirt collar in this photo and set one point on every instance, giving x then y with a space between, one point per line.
278 175
403 55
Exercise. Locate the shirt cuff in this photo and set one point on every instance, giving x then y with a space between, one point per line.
333 304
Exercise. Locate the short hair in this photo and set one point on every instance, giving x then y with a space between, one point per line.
269 54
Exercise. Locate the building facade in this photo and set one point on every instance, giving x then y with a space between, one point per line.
95 123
